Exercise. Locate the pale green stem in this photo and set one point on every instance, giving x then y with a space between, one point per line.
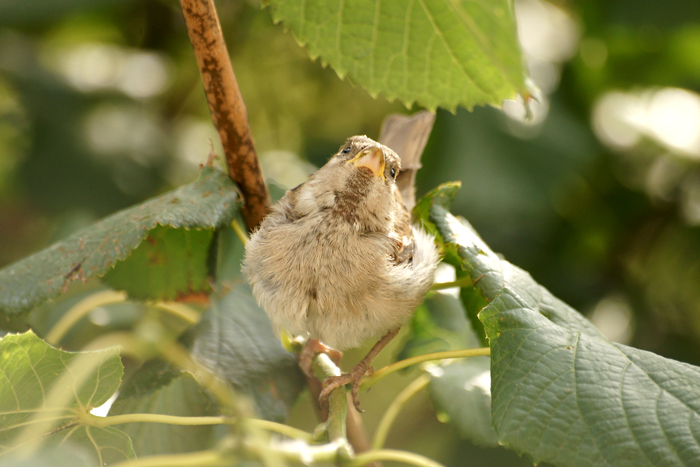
301 453
177 355
378 455
79 310
180 310
337 401
93 420
462 282
282 429
400 365
189 459
240 233
395 407
129 344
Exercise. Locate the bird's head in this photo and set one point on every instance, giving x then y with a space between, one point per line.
358 183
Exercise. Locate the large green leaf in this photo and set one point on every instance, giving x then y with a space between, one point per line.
235 340
561 392
208 203
439 53
44 392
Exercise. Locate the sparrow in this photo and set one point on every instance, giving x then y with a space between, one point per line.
338 260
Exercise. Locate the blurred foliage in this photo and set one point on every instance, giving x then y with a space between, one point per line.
101 107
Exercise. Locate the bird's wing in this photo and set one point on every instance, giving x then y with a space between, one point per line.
402 231
407 136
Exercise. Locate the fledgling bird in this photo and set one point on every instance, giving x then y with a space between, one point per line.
338 259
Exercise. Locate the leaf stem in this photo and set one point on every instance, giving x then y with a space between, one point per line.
395 407
189 459
400 365
240 233
94 420
337 401
378 455
280 428
79 310
177 355
461 282
180 310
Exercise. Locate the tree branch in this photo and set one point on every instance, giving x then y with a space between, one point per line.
228 111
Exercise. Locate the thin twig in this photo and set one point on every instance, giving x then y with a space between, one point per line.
80 310
93 420
395 407
392 455
401 364
228 111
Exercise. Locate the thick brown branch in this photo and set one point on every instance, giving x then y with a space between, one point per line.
228 111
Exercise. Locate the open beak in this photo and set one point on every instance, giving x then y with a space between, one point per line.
372 158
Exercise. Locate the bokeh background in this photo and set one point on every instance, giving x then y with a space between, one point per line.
597 195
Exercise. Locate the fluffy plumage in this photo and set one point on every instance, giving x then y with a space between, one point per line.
337 259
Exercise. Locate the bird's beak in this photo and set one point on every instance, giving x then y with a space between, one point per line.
372 158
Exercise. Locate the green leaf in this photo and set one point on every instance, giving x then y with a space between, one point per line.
65 455
439 53
442 197
458 390
561 392
180 396
169 263
209 203
439 325
461 392
235 340
45 391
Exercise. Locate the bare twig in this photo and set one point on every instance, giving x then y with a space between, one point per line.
228 111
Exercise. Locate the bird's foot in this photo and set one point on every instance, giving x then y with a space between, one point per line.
355 376
313 347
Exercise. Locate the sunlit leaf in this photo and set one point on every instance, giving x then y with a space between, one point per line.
44 391
438 53
208 203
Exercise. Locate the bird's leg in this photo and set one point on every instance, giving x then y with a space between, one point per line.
356 374
312 347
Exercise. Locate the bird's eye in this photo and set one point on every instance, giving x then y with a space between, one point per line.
392 172
346 150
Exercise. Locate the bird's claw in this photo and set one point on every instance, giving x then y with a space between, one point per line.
355 376
313 347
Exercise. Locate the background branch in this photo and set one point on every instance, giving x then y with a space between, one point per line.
228 111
